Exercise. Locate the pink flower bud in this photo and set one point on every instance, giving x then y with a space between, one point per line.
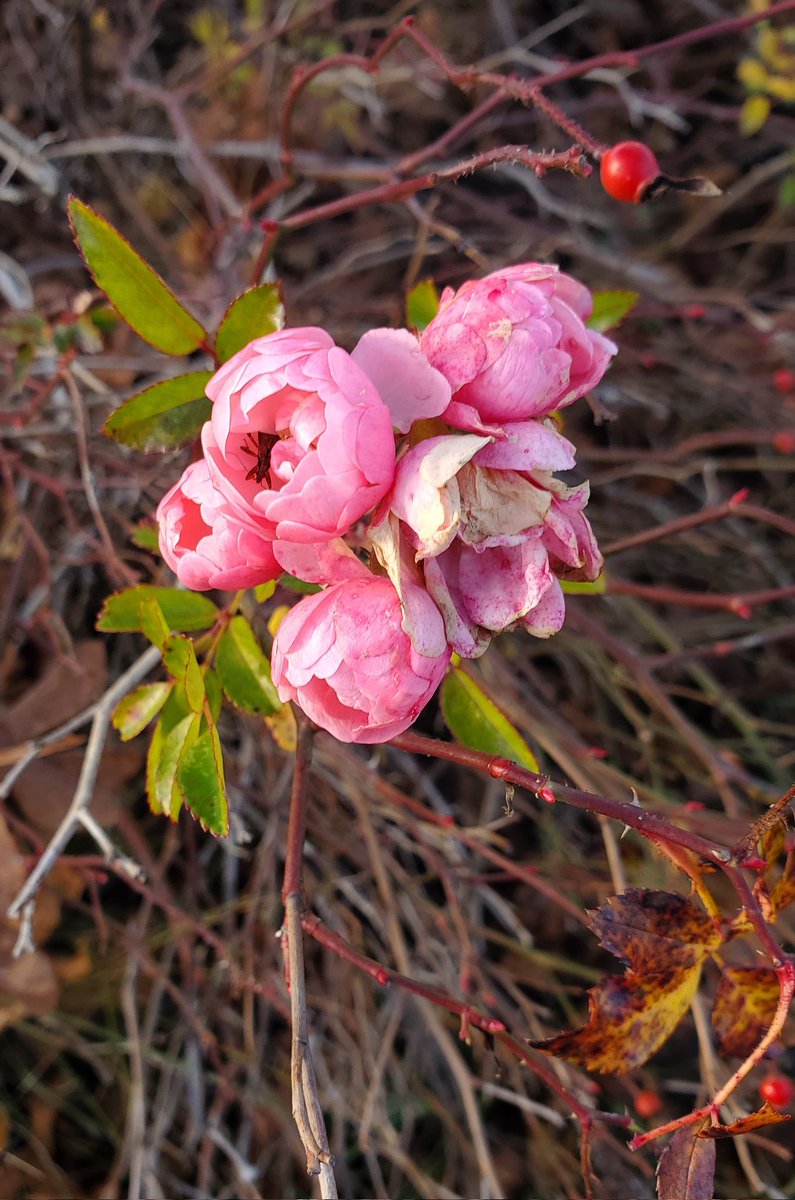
206 542
514 345
299 437
342 655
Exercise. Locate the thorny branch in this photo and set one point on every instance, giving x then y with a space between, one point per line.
398 185
655 828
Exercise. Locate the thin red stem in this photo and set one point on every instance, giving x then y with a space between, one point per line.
296 827
693 520
738 603
386 977
401 189
630 58
649 824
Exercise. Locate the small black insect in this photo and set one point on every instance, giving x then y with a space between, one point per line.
260 446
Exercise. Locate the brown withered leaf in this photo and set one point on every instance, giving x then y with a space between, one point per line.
663 938
745 1002
686 1170
28 985
66 686
766 1115
45 789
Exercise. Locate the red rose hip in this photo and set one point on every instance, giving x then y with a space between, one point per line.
627 169
648 1103
777 1090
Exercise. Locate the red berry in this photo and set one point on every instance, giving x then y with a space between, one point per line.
784 442
648 1103
626 171
784 381
777 1090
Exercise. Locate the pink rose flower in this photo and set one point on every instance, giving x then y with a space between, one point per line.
206 542
568 535
486 543
515 346
342 655
299 438
410 387
484 592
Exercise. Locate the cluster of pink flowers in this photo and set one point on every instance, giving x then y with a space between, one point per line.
412 480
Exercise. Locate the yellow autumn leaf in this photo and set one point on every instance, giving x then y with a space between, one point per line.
664 940
772 49
745 1002
766 1115
752 74
781 88
753 114
283 728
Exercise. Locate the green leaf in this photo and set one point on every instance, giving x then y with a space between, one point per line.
175 710
422 305
164 416
244 670
474 719
183 611
179 659
299 585
145 535
264 591
200 779
786 192
253 314
152 762
215 695
137 292
132 714
585 587
610 308
153 624
173 745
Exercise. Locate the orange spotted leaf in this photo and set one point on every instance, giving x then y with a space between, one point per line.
745 1003
686 1170
663 938
782 893
766 1115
